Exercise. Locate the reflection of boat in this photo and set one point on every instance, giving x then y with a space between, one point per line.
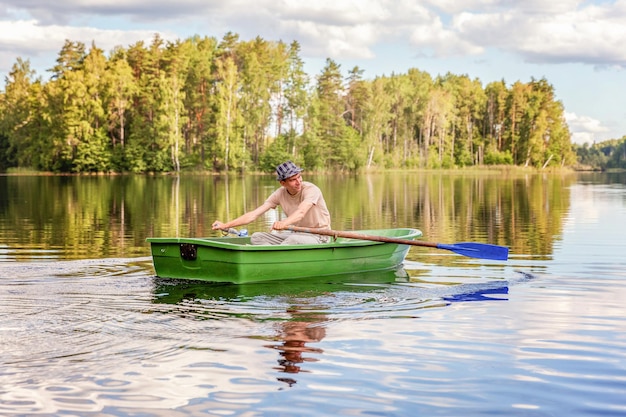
173 291
234 259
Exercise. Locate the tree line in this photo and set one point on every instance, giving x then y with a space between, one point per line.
233 106
605 155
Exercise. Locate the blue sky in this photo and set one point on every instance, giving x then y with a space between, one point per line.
578 46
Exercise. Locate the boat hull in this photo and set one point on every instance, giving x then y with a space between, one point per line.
235 260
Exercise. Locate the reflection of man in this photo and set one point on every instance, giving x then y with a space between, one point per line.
295 335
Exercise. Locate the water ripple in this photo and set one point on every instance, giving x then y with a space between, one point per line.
107 337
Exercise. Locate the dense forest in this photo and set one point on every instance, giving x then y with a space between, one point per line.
232 106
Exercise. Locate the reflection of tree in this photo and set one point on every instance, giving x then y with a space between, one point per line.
110 217
303 327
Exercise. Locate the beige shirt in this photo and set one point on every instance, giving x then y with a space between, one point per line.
317 216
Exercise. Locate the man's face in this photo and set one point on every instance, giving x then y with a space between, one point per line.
293 184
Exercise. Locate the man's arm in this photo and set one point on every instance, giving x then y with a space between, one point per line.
245 218
295 217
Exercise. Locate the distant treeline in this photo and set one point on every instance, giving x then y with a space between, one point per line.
609 154
232 105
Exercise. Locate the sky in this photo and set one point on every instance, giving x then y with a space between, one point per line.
579 47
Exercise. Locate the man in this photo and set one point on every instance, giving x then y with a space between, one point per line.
302 202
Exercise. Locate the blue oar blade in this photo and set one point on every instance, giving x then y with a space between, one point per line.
478 250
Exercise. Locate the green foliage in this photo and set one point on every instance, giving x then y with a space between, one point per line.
5 154
495 157
434 161
234 105
275 153
135 158
618 157
311 144
92 155
610 154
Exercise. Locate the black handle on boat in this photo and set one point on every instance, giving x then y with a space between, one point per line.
469 249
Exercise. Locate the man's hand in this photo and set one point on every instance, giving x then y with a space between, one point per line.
218 225
280 225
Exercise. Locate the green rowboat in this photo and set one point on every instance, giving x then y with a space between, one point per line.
235 260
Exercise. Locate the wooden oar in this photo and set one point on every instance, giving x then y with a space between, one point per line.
470 249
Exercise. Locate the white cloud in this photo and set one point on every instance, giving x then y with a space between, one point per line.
590 34
333 41
30 40
29 35
550 32
441 41
333 12
584 128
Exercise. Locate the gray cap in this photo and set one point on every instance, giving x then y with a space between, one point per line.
286 170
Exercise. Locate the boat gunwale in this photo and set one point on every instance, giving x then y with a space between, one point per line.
223 242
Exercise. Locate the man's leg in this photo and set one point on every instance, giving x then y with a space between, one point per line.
286 238
265 238
304 239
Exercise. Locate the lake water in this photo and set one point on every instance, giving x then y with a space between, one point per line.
87 329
